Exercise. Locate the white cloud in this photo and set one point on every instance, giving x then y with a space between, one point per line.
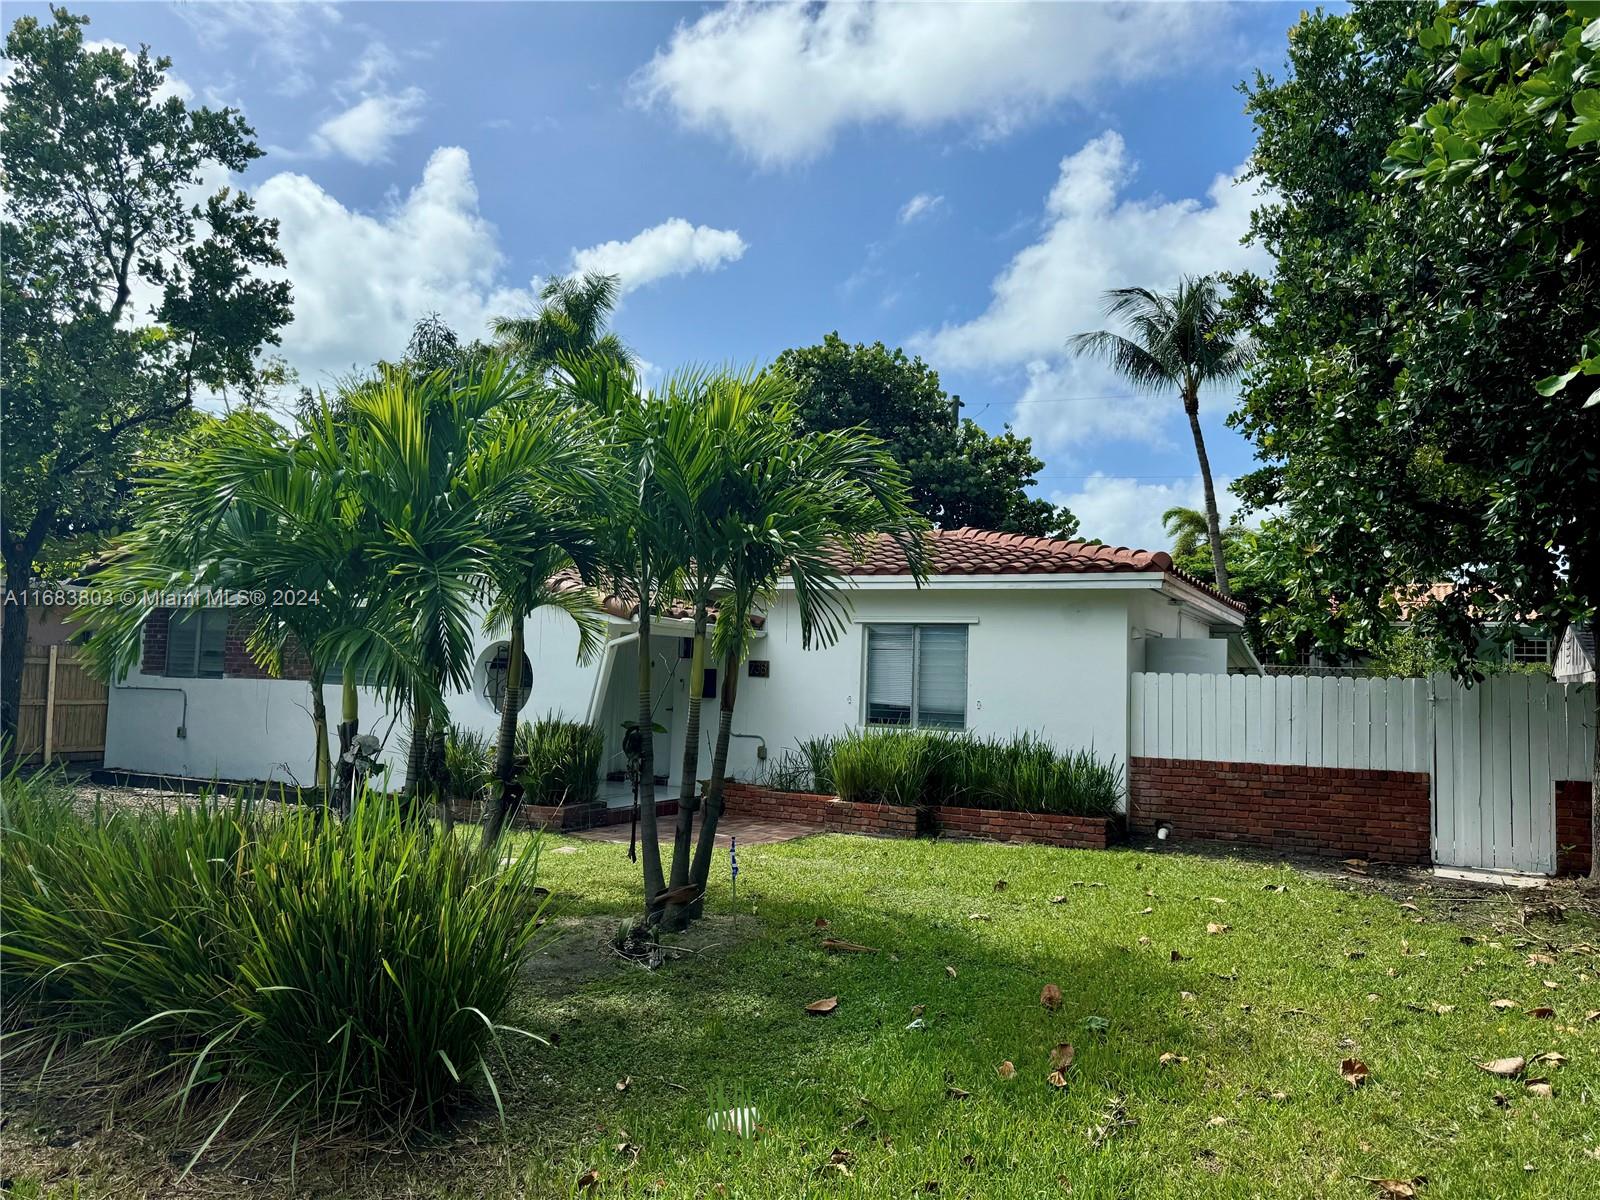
1094 237
285 35
920 205
1127 512
782 80
361 280
673 247
366 131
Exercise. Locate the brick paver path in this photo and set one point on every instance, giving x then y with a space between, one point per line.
749 832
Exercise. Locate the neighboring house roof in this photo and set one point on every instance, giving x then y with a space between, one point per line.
986 552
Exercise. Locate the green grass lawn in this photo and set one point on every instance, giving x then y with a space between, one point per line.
1303 974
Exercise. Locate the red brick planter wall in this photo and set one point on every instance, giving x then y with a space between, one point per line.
1574 827
825 812
1040 829
889 820
1384 816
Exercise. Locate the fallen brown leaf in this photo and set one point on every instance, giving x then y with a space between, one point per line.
821 922
1592 1016
1061 1057
1354 1072
950 971
1502 1005
977 916
1215 927
1176 956
1441 1009
624 1083
589 1179
1217 1120
1056 1079
1169 1059
1539 1087
1145 912
955 1093
1000 885
1503 1068
1058 899
1542 1013
1050 997
821 1008
1554 1057
1006 1070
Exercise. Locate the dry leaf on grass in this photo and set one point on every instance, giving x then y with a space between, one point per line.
1169 1059
1050 997
1539 1087
1144 940
1592 1016
1542 1013
1441 1009
1176 956
1354 1072
1058 899
955 1093
1006 1070
1061 1057
1354 955
840 946
1145 912
1056 1079
950 971
821 1008
1539 959
1502 1005
1000 885
589 1179
977 916
1275 887
1216 927
1216 1121
1554 1057
821 922
624 1083
1503 1068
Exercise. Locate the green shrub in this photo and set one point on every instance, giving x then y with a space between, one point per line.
468 762
807 768
1023 773
560 760
333 973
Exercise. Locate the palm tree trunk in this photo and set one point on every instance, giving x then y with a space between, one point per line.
728 694
417 751
505 765
654 883
1191 406
319 723
688 793
349 727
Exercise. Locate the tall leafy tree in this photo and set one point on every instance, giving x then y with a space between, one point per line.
127 293
958 472
1419 403
1179 340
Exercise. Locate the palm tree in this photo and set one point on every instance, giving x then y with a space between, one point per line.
439 465
246 507
1191 539
805 505
1176 339
571 321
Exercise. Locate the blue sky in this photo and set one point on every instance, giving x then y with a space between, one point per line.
962 180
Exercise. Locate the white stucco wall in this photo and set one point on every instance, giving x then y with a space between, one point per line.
1051 660
1054 662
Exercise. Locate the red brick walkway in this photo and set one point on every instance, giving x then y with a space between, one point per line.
749 832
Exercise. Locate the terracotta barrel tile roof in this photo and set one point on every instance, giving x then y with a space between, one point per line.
987 552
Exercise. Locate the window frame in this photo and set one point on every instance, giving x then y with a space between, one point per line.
207 617
916 628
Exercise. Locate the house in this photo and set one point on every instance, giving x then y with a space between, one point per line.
1008 633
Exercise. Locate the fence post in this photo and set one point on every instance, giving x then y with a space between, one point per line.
50 708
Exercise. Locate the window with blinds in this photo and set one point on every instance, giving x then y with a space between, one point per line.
917 676
197 642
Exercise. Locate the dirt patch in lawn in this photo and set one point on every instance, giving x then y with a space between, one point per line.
581 949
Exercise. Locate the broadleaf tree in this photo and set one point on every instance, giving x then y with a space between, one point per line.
1432 171
127 292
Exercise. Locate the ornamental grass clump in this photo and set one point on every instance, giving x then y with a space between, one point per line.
560 760
267 960
1023 773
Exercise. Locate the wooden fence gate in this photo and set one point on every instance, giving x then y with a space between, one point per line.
63 712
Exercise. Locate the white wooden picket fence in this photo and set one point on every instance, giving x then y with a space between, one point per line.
1493 751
